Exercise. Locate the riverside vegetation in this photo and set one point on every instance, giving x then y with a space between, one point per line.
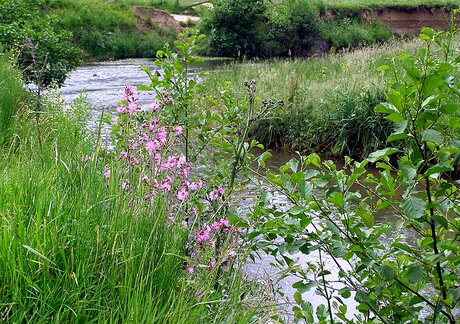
150 230
141 232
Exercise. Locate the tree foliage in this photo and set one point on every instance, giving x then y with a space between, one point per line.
44 54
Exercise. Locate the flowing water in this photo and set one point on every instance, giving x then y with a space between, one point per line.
103 84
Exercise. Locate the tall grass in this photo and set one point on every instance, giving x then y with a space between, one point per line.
329 101
74 249
11 92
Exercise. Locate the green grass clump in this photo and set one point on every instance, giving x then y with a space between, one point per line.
349 33
10 96
109 31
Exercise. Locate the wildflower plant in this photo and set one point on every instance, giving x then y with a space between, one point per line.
180 163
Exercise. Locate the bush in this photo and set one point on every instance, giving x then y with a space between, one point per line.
292 28
349 33
232 27
44 54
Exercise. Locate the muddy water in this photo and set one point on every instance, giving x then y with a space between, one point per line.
103 84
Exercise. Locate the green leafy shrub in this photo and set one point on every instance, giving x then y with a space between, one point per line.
109 31
44 53
232 27
344 32
402 270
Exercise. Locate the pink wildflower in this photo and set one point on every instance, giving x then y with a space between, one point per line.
213 195
132 108
212 264
172 219
155 183
123 155
224 222
190 270
221 191
145 179
232 254
161 133
178 130
199 295
151 146
125 185
122 110
155 106
204 235
181 161
182 194
215 226
130 93
166 184
184 224
185 173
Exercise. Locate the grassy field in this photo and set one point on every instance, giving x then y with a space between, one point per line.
329 101
109 31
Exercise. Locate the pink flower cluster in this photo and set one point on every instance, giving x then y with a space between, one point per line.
219 227
213 195
131 102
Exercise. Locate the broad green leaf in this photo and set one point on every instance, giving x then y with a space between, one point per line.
413 207
449 108
313 159
383 68
431 135
427 31
408 171
386 108
415 274
379 155
387 272
262 158
237 221
433 99
431 83
345 292
302 287
294 165
441 220
297 210
366 217
438 168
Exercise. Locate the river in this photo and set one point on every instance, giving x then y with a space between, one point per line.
103 84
